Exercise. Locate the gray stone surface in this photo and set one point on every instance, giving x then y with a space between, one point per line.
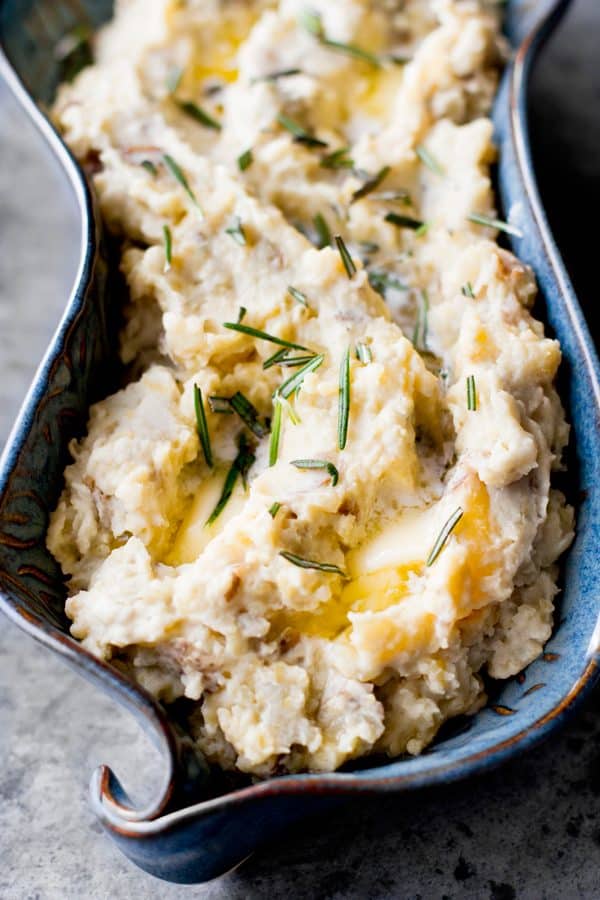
530 830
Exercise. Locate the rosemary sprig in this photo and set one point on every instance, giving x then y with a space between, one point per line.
275 76
300 134
323 232
274 509
471 393
178 175
313 24
420 331
318 464
254 332
467 290
363 353
239 467
277 357
149 166
371 184
382 281
479 219
429 160
292 384
401 221
236 231
339 159
168 248
248 414
275 431
245 160
304 563
443 536
200 115
202 426
297 295
344 400
347 260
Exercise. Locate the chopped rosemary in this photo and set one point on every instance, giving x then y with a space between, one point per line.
168 247
382 281
323 232
363 353
404 221
275 431
467 290
399 196
344 400
313 24
199 115
300 134
242 312
240 466
287 406
339 159
297 295
347 260
292 384
254 332
277 357
274 509
292 362
429 160
275 76
318 464
479 219
312 564
202 426
443 536
220 405
173 79
471 393
248 414
371 184
178 175
420 331
236 231
149 166
245 160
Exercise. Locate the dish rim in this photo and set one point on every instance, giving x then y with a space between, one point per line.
107 796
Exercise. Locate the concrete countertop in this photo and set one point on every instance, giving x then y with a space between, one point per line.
530 830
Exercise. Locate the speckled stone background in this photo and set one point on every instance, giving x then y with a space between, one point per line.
529 831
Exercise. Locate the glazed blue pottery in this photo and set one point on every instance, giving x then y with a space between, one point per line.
202 825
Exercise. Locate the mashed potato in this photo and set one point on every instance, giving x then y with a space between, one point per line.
326 547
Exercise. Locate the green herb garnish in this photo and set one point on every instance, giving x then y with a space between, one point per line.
242 312
371 184
178 175
248 414
420 331
300 134
275 431
297 295
202 426
344 400
479 219
363 353
312 23
245 160
382 281
429 160
347 260
318 464
339 159
471 393
467 290
240 466
195 112
292 362
274 509
401 221
398 196
236 231
254 332
323 232
292 384
312 564
220 405
443 536
275 76
149 167
277 357
168 247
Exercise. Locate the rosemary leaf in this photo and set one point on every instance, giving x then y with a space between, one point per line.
178 175
347 260
479 219
277 357
202 426
292 384
371 184
429 160
240 466
467 290
200 115
297 295
242 312
443 536
274 509
236 231
275 76
248 414
323 232
420 331
471 393
300 134
149 166
318 464
275 432
404 221
344 400
254 332
168 248
363 353
220 405
245 160
339 159
312 564
382 281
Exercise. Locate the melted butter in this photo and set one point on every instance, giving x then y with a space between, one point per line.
215 54
194 534
374 93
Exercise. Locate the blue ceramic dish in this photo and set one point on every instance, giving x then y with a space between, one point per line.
198 828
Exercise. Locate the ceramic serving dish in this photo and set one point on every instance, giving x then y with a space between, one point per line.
199 826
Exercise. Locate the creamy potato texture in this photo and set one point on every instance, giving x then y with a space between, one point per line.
230 142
